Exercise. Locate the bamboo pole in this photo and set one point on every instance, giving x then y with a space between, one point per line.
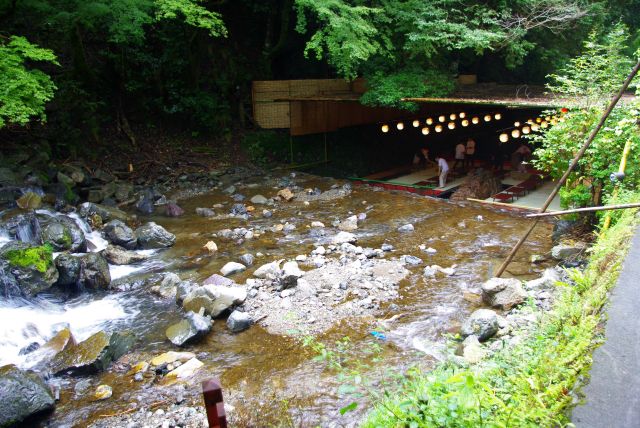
585 210
623 166
573 164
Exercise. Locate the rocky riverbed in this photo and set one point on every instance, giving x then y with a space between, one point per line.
126 309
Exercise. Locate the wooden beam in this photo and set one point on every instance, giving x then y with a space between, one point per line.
586 210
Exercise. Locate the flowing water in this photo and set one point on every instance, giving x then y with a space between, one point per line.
268 378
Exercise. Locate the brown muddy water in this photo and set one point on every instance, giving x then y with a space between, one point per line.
272 380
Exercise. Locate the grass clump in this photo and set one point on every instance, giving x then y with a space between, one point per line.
41 258
529 384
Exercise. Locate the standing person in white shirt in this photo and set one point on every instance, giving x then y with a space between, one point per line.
460 151
443 170
471 152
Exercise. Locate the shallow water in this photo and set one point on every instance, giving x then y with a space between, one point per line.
265 377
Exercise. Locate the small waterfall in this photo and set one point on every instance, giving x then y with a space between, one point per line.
4 237
95 241
8 285
26 228
24 322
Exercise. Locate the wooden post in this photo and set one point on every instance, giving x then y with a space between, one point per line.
213 403
572 165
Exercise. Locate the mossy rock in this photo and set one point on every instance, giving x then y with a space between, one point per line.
31 266
92 355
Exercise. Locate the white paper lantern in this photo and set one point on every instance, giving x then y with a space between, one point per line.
475 120
441 119
504 138
429 121
526 130
515 133
385 128
497 116
451 125
487 118
516 124
425 131
438 128
465 123
462 115
400 126
416 123
453 116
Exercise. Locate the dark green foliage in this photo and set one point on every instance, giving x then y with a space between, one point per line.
389 89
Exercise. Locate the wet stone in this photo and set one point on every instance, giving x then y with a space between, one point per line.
92 355
191 329
22 394
239 321
152 236
205 212
118 233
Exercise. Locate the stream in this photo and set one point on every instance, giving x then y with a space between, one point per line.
271 378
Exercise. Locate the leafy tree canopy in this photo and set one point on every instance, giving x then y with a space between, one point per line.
23 90
396 38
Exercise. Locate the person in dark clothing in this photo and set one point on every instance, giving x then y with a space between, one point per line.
421 159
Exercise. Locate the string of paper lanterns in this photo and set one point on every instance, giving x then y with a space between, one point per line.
531 125
443 120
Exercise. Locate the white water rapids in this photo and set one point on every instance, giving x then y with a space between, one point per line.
25 321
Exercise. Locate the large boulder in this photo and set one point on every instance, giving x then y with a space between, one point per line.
483 323
69 268
152 235
192 328
95 271
22 394
31 267
118 233
119 256
106 214
64 235
214 300
92 355
503 293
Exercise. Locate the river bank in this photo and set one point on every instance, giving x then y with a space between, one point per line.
346 260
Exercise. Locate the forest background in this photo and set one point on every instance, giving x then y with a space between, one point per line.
80 78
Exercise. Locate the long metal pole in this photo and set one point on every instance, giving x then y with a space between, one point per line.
585 210
573 164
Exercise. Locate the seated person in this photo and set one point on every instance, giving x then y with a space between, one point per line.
520 157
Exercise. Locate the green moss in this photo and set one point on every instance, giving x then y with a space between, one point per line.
67 239
38 257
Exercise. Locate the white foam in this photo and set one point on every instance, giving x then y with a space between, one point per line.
121 271
95 242
22 325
